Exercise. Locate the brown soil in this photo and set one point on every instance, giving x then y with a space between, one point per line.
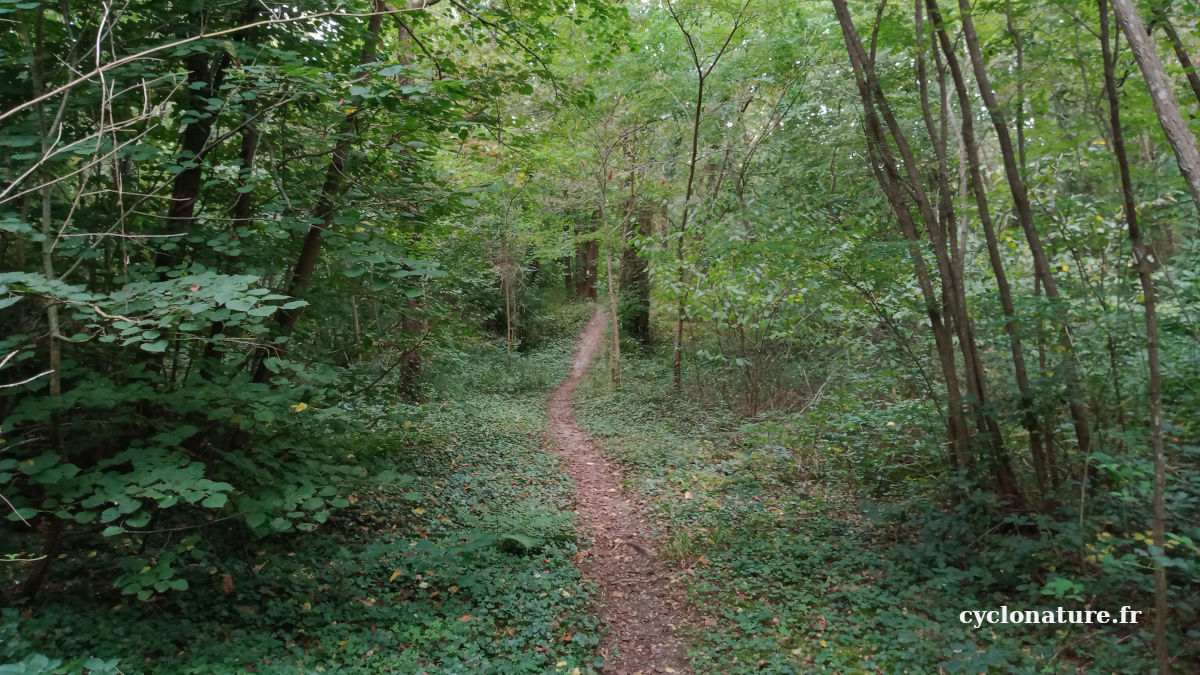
641 609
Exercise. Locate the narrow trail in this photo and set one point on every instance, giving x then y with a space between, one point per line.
641 610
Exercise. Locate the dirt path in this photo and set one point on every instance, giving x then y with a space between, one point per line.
641 611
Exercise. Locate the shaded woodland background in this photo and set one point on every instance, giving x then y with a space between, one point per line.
265 267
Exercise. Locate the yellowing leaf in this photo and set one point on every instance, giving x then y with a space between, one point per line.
396 574
419 510
300 407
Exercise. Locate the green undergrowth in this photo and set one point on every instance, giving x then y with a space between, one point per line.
458 560
799 560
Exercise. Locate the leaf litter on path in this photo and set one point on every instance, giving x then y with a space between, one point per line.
643 612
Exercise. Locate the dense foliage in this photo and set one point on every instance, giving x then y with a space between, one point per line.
904 313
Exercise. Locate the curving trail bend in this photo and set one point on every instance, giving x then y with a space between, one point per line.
641 609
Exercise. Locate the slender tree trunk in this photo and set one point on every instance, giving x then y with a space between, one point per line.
634 277
1185 59
1016 185
702 73
979 190
677 353
52 525
954 291
891 183
587 257
1019 46
1182 141
243 212
411 321
507 283
243 207
614 346
1142 258
204 82
326 204
951 279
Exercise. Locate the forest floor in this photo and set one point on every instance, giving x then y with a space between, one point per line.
637 601
516 522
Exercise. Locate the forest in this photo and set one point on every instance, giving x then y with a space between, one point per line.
581 336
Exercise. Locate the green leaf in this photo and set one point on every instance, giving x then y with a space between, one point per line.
240 305
215 501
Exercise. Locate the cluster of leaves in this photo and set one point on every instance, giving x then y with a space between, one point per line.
456 556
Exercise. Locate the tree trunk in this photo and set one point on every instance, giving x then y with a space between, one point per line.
1182 141
951 267
587 260
52 526
891 183
323 210
979 190
1185 59
677 351
952 282
635 279
702 73
204 82
614 346
243 207
1142 260
1019 46
411 323
1016 185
